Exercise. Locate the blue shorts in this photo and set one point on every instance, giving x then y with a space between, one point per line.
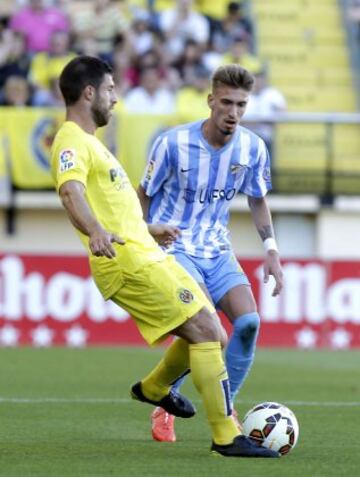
219 274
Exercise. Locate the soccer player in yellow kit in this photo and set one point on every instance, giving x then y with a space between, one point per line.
130 268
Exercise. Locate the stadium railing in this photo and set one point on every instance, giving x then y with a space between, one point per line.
316 153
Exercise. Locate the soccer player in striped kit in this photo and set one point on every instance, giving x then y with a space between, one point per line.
193 172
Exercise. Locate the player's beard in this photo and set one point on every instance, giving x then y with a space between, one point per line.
99 113
225 129
226 132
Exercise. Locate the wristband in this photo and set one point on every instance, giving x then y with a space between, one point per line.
270 244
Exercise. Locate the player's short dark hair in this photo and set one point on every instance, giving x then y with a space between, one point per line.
234 76
80 72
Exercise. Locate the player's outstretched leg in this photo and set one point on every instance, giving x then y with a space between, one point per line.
156 389
211 380
173 403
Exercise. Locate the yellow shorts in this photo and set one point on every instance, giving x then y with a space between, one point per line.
160 297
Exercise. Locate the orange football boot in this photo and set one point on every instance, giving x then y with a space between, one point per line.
162 425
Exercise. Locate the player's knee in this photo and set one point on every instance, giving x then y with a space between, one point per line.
202 328
248 329
208 329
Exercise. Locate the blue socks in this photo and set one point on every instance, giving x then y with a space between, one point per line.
240 350
239 354
178 382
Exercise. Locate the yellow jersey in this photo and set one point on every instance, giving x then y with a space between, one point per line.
79 156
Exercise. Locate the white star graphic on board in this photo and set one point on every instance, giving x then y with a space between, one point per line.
306 338
42 336
9 336
340 338
76 336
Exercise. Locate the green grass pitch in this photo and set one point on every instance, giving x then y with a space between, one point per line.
68 413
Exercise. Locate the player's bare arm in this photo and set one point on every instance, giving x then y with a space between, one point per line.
262 219
144 201
164 234
72 194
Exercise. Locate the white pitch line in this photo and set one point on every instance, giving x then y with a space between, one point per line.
58 400
324 404
45 400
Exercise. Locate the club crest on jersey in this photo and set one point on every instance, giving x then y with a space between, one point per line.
234 168
185 295
67 159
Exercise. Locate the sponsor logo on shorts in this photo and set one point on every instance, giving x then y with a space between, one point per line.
186 296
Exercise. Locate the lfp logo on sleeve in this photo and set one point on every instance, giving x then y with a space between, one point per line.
67 160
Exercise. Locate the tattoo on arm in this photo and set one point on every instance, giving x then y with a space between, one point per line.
265 232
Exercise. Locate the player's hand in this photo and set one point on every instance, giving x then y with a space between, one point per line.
272 266
100 243
164 234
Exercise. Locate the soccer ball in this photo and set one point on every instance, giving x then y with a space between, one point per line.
272 425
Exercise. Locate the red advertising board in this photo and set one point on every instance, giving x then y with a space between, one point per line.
52 300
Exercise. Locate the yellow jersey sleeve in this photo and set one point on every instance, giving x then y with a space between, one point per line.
70 161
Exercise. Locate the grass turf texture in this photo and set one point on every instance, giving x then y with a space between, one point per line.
80 421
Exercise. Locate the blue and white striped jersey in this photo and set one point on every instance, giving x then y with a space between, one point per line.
191 184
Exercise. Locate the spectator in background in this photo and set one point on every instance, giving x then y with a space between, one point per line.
169 72
46 66
37 22
233 25
182 23
16 92
142 36
153 59
191 101
264 100
50 97
14 59
189 62
6 9
138 63
151 97
213 10
97 28
240 53
123 70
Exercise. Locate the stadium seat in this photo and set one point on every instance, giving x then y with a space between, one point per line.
303 97
305 47
304 44
346 159
300 162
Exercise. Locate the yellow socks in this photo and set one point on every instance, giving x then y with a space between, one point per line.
174 363
211 380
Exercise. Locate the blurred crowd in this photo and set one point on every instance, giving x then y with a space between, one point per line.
162 51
